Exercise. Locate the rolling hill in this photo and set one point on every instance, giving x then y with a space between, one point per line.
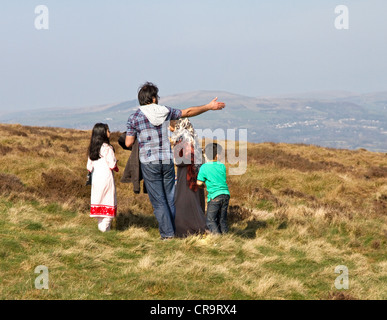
330 119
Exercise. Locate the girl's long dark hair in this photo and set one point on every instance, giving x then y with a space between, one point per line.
98 138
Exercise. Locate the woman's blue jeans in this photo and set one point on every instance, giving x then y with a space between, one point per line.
159 180
217 214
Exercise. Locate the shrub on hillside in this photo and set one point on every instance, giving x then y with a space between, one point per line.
4 150
61 185
9 183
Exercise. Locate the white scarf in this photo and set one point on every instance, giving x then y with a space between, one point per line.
155 113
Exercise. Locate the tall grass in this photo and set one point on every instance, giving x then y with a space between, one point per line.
297 213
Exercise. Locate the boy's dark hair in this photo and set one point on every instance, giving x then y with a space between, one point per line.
98 138
147 92
212 150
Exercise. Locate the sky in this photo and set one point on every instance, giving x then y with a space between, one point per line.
98 52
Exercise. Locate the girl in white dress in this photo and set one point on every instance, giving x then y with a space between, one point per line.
101 163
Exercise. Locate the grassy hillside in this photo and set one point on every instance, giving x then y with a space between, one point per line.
297 213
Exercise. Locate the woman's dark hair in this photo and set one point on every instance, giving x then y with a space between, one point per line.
192 170
147 92
98 138
212 150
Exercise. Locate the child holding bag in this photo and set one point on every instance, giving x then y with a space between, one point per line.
101 163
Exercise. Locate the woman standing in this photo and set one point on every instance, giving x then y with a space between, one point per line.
189 198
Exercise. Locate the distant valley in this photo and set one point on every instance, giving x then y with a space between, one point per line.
329 119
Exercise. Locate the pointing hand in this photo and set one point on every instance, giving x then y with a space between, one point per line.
215 105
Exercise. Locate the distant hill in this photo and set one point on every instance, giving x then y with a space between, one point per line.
331 119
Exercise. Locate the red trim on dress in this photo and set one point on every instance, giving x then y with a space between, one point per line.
102 210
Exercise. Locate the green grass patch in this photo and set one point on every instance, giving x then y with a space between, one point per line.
265 205
30 225
55 208
11 245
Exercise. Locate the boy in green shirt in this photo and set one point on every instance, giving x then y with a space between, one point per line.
213 175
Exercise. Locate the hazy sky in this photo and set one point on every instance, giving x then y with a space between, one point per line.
98 52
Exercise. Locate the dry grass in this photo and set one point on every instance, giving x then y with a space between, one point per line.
297 213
